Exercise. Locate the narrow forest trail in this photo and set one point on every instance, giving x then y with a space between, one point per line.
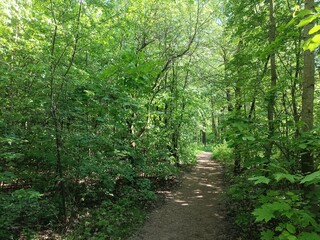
195 211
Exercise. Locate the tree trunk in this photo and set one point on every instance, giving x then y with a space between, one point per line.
296 116
273 83
203 137
237 147
307 161
238 117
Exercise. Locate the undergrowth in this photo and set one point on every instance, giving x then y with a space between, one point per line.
268 202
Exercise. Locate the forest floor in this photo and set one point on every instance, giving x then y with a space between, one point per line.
193 211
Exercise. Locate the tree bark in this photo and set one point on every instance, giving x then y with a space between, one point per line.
238 117
307 161
296 116
273 82
237 147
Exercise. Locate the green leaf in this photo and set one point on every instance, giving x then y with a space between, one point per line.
291 228
290 23
259 179
309 236
316 38
100 119
267 235
265 213
307 20
311 178
303 146
250 138
314 29
312 46
280 176
303 13
281 206
306 220
26 194
292 237
312 43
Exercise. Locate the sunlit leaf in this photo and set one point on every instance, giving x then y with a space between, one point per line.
316 38
312 46
307 20
314 29
303 13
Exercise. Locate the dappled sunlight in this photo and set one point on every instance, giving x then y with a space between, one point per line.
218 215
200 196
207 185
195 208
207 168
200 188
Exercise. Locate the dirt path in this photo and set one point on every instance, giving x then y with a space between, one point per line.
195 211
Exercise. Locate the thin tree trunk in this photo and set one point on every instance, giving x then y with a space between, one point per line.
273 83
238 117
237 147
214 128
294 86
57 126
307 161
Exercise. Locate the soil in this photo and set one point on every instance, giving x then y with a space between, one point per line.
195 210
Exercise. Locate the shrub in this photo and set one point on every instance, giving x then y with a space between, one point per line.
19 211
222 152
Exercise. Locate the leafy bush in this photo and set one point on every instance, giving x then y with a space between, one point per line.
283 213
112 220
222 152
116 218
270 207
241 198
286 217
19 210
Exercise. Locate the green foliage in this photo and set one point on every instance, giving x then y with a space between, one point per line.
110 221
308 17
275 205
23 207
241 199
261 119
286 212
259 179
222 152
97 102
102 100
116 219
311 178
